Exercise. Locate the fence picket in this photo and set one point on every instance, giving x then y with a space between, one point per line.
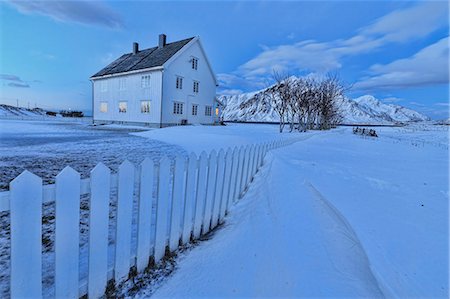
245 171
220 177
67 233
98 230
26 236
226 184
145 214
240 173
125 194
201 194
190 198
234 171
178 200
251 165
162 209
211 186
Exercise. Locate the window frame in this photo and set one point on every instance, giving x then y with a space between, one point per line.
194 109
208 110
149 106
177 108
103 85
122 84
101 106
179 82
194 63
126 107
194 85
145 81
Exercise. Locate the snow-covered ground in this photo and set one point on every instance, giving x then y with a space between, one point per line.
46 147
333 215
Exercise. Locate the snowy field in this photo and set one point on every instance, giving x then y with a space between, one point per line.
334 215
46 147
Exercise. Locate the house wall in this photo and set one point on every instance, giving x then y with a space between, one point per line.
181 66
133 94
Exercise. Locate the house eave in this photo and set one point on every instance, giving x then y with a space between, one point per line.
155 68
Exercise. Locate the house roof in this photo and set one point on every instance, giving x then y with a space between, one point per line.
144 59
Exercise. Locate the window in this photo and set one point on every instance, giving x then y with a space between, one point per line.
208 110
179 83
122 107
194 62
103 107
145 81
195 86
145 106
177 108
217 111
122 83
104 85
194 109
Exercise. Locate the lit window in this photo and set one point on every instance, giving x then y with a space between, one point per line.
145 81
195 87
217 111
122 107
179 83
122 83
145 106
208 110
104 85
104 107
177 108
194 109
194 63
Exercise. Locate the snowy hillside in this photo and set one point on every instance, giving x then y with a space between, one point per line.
7 110
363 110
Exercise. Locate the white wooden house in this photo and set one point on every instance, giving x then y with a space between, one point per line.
170 84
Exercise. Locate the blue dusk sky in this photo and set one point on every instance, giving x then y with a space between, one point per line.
397 51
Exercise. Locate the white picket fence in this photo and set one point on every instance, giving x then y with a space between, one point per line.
191 197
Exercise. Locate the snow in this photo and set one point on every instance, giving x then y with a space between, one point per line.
206 138
335 214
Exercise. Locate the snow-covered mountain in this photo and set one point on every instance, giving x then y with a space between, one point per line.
7 110
363 110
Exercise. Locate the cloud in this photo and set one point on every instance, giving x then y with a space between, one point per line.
14 81
42 55
10 78
392 100
442 104
19 85
429 66
83 12
322 57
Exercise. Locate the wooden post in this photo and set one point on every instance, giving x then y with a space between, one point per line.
145 214
188 222
67 233
124 220
98 230
162 209
26 236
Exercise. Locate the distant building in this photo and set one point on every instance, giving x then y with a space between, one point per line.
170 84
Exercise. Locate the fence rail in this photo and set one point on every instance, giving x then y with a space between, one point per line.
177 201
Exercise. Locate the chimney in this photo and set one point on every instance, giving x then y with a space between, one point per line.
135 48
162 41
